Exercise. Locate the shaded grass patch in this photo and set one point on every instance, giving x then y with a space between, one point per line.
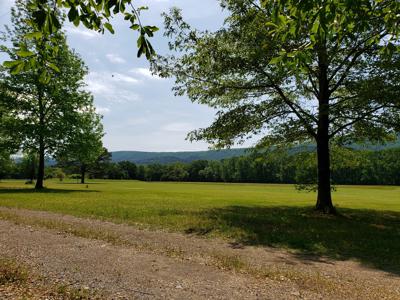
11 191
371 237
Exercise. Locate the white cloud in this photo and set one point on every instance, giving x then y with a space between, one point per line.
114 87
83 32
95 86
116 59
101 81
102 110
124 78
144 72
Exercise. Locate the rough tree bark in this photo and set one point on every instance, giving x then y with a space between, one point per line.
40 177
324 197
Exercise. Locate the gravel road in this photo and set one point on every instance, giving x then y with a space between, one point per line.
142 264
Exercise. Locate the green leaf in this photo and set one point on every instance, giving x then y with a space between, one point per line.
135 27
152 28
44 77
73 14
23 53
33 35
140 51
54 67
10 64
271 24
109 27
76 22
55 22
17 68
315 26
140 41
275 60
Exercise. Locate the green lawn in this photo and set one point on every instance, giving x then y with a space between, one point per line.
368 228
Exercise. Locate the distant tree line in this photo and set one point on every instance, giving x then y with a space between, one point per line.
349 167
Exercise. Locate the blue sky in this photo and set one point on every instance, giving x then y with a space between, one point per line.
140 111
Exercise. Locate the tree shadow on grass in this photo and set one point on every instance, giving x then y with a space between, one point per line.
42 191
371 237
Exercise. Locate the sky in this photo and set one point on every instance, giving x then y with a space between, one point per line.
140 111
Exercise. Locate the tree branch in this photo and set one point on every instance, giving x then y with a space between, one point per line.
356 52
292 106
355 120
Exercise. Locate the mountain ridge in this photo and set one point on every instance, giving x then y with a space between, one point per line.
143 157
147 157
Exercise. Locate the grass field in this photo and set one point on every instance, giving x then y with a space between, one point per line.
368 228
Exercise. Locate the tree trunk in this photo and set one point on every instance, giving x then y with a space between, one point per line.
83 171
324 197
40 177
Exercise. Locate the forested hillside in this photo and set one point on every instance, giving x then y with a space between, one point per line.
145 158
140 157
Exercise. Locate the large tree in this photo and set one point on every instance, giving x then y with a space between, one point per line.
46 100
291 72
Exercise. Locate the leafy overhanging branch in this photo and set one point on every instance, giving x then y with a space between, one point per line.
95 15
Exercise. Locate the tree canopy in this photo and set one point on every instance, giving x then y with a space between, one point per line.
84 144
291 72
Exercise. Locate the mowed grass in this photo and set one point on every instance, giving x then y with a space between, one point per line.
367 229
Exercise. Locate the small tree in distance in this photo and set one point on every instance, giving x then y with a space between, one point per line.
84 146
293 72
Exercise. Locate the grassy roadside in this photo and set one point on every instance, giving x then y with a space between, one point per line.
307 279
274 215
232 263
